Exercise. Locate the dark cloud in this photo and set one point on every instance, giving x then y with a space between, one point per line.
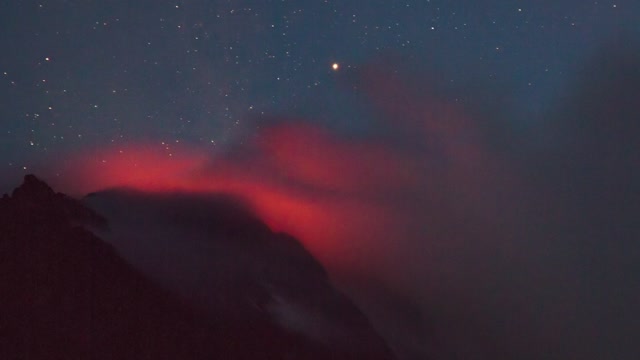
460 234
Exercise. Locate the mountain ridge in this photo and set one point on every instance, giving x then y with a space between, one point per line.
70 294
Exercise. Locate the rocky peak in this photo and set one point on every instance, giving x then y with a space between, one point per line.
33 190
38 199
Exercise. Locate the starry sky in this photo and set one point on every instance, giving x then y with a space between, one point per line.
465 169
79 74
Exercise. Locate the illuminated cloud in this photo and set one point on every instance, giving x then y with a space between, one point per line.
430 213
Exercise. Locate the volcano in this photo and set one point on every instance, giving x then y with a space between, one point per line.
68 293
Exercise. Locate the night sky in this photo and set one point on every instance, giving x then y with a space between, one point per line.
79 74
474 162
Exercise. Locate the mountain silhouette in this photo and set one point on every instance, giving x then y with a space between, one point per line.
68 294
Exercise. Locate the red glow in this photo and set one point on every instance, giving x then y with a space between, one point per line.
141 166
324 211
339 197
314 157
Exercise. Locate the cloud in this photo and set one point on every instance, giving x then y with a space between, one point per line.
531 254
405 206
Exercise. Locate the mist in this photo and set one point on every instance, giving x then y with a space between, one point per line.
460 234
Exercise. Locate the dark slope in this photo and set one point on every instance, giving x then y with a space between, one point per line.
66 294
231 264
